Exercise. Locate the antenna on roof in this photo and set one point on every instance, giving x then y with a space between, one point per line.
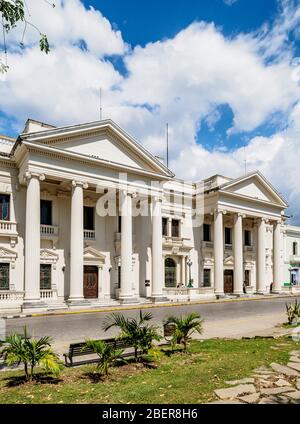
167 137
245 160
100 104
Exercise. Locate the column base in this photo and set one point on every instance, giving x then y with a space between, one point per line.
220 295
261 293
158 299
238 294
128 300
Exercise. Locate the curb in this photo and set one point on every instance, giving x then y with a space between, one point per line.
144 306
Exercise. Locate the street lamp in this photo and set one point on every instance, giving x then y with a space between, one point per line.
189 264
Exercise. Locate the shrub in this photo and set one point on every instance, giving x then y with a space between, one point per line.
293 312
106 352
21 349
184 327
135 332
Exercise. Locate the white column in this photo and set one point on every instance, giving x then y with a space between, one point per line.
238 254
277 257
261 257
76 247
32 238
157 257
219 253
126 292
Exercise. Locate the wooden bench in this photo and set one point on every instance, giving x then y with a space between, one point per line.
80 350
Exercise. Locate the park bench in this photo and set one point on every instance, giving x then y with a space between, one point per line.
80 350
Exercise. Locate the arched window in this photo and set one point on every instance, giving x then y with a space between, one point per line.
170 273
295 248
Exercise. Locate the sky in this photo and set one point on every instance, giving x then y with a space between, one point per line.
224 74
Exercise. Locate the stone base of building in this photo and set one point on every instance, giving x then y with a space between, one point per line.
159 299
128 300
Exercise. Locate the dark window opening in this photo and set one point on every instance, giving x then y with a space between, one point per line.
247 238
45 277
175 228
165 226
228 239
4 207
119 277
88 218
170 273
119 223
247 278
206 232
206 278
4 276
295 248
46 212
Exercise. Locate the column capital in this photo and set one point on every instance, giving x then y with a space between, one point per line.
241 215
217 211
82 184
28 175
128 192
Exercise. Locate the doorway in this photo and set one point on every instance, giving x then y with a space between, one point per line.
170 273
90 282
228 281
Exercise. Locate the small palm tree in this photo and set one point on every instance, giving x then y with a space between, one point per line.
293 312
184 328
135 332
31 353
106 352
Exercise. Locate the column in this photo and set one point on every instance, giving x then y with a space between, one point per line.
277 257
32 238
76 245
157 264
238 254
126 292
261 257
219 253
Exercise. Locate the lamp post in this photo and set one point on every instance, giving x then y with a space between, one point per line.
189 264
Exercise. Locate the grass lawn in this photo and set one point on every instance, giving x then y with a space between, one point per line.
179 378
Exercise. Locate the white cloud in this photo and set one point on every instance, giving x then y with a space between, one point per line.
229 2
182 81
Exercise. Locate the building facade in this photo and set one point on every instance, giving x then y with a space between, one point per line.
88 217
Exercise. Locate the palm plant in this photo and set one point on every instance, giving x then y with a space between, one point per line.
106 352
21 349
135 332
184 327
293 312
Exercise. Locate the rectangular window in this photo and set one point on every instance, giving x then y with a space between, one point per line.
248 238
247 278
165 226
175 228
4 276
46 212
45 277
228 239
206 278
119 224
206 232
4 207
88 218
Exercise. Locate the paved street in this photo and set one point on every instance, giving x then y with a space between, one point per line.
224 319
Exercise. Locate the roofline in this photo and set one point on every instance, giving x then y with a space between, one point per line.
52 133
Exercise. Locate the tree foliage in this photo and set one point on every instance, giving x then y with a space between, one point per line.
184 328
106 352
13 13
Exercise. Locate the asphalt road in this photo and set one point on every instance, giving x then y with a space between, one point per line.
224 319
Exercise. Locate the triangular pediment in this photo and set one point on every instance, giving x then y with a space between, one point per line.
92 254
254 186
7 253
103 140
47 254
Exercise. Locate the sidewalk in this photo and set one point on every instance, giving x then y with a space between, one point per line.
170 304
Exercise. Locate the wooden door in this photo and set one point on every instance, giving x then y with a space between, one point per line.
90 282
228 281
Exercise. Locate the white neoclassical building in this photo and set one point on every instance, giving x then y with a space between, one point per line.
88 217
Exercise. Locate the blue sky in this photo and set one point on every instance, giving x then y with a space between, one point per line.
223 73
